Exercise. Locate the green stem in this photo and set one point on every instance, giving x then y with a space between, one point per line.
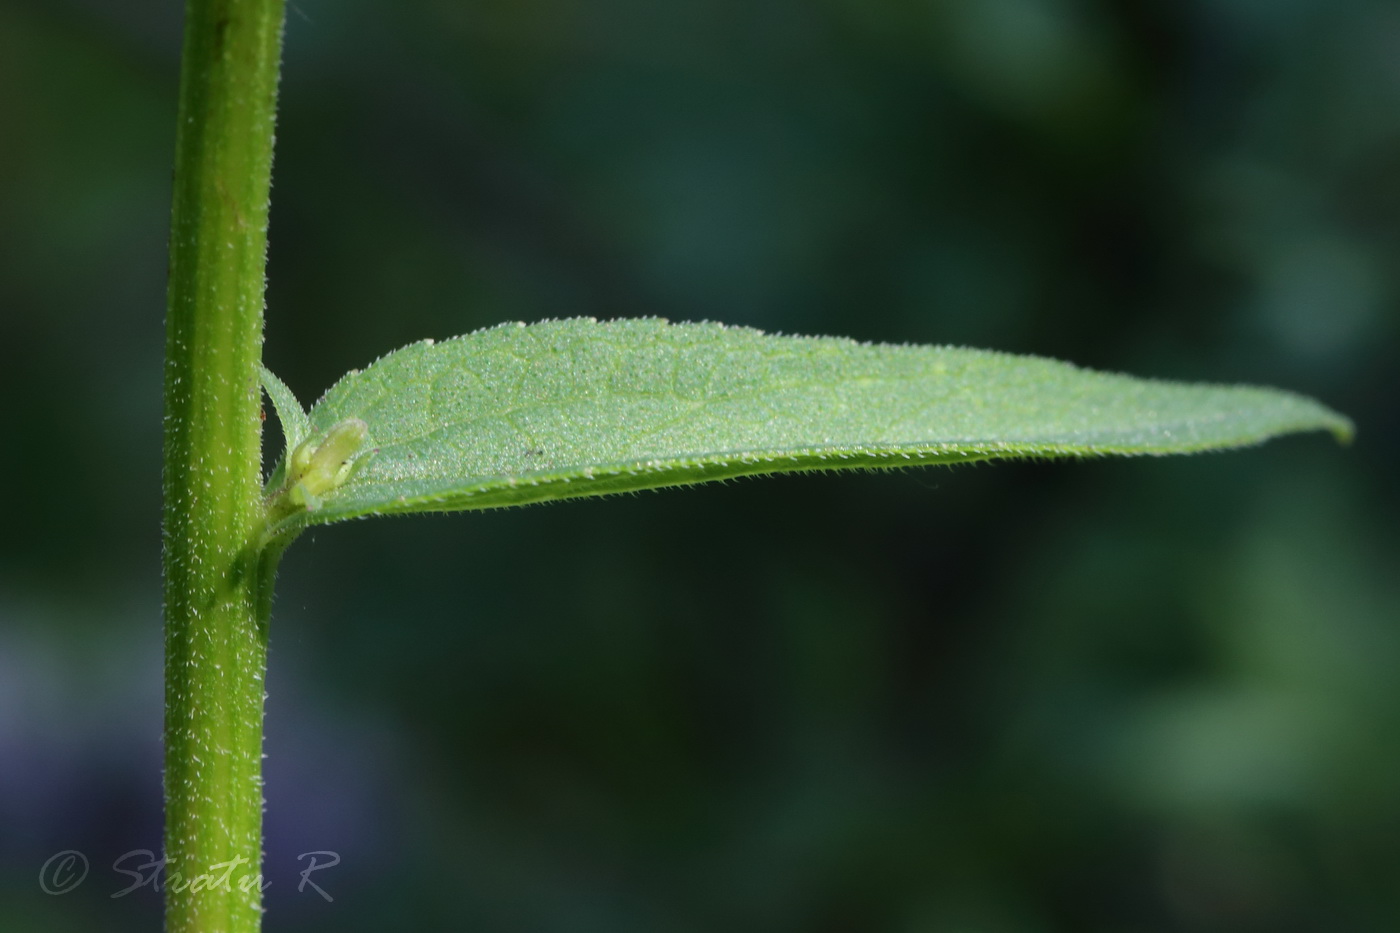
217 580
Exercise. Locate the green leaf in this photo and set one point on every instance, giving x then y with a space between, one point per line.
295 425
517 414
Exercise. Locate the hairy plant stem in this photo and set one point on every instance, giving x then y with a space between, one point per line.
217 579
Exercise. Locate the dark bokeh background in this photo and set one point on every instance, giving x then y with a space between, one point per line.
1119 696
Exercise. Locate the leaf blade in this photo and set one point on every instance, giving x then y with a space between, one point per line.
290 416
295 425
563 409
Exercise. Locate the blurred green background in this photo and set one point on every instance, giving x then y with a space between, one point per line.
1117 696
